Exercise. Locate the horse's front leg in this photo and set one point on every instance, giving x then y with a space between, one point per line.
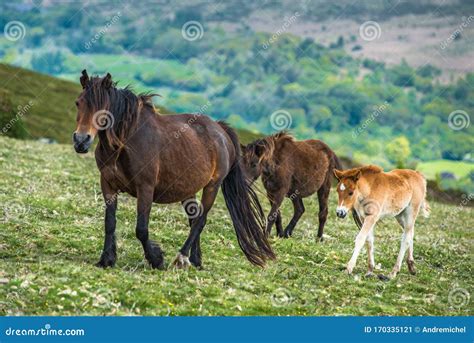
109 252
275 215
152 250
361 238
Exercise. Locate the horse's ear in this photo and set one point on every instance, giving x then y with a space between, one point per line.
356 177
338 174
259 150
84 79
107 81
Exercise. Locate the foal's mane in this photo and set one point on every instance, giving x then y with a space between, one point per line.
364 170
124 105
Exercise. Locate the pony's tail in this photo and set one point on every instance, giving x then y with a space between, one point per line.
245 209
425 209
425 206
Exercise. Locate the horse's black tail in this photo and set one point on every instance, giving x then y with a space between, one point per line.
245 209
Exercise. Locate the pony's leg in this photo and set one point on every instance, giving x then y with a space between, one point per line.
323 195
109 252
279 225
275 200
407 221
209 194
152 250
361 238
195 257
298 208
370 253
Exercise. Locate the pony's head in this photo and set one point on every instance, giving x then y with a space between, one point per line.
346 190
255 155
93 110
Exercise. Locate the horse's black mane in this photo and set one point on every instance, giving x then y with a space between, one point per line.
122 103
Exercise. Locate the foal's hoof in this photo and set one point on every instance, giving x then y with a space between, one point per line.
411 267
286 234
181 262
369 275
383 277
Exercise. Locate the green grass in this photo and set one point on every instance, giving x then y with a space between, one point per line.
51 235
431 168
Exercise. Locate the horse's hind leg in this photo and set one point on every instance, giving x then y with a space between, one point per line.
298 208
195 257
182 260
323 195
152 250
407 220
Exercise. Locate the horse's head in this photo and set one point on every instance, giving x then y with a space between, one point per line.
346 190
255 155
92 110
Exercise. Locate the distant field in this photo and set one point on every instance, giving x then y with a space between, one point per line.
432 168
51 234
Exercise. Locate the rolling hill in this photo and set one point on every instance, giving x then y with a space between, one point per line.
45 105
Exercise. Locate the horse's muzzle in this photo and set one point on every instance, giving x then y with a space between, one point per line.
82 142
340 213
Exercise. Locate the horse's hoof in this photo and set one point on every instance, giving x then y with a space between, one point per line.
411 267
105 263
383 277
319 239
369 275
155 257
181 262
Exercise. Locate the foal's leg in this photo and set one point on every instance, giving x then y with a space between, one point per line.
152 250
298 208
195 257
209 194
274 215
109 252
370 253
407 221
361 238
323 195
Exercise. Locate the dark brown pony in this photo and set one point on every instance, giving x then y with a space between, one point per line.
295 169
165 159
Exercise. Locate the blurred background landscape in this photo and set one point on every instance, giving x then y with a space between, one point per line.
385 82
388 82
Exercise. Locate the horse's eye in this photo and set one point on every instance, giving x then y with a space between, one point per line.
253 165
351 193
77 103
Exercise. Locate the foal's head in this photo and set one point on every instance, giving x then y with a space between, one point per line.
93 110
255 155
346 190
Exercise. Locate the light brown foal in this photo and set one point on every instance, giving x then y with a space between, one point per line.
371 194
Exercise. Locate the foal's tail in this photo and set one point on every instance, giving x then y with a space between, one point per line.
425 209
245 209
425 206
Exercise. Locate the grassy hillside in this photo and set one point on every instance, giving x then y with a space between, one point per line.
52 112
51 234
431 168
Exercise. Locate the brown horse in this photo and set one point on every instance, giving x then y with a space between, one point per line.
372 194
165 159
295 169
